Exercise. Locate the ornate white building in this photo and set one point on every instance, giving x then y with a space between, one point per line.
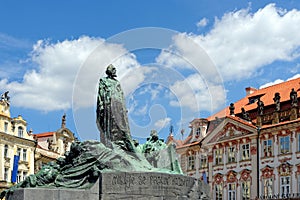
15 140
222 149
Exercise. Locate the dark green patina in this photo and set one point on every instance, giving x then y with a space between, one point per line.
117 152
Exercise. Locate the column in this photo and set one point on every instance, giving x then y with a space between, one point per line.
254 151
2 161
197 160
210 172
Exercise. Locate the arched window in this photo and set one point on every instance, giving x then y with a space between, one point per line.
20 131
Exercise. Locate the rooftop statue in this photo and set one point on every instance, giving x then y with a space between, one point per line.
294 98
231 108
276 100
5 98
260 107
245 115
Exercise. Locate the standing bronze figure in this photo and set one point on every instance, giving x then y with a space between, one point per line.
112 120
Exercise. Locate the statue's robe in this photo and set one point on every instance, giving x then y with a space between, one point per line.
112 119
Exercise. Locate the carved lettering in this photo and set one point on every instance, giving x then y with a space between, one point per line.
126 180
129 181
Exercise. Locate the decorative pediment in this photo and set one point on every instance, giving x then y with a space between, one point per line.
231 176
228 131
285 169
245 175
190 152
218 179
267 172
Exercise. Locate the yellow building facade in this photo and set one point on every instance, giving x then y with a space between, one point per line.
33 150
14 140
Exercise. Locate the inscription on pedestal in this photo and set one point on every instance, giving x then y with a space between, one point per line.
131 180
149 183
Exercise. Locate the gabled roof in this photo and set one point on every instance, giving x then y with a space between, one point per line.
266 95
217 121
215 133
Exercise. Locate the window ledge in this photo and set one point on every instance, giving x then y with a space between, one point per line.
285 154
267 157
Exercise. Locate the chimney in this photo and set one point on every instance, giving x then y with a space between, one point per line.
250 90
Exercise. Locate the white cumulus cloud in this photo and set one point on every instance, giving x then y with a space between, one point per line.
277 81
241 42
203 22
161 123
50 85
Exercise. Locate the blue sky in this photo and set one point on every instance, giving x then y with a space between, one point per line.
176 60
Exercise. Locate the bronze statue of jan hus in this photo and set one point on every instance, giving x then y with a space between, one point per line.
112 120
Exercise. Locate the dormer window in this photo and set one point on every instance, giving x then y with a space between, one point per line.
253 99
20 131
198 131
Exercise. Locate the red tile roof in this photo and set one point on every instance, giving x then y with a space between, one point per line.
187 145
267 95
46 134
241 121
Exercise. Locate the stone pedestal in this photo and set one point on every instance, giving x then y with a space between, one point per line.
125 185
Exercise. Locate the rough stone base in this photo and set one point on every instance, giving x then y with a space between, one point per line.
123 185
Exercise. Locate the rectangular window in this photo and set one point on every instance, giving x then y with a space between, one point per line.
246 190
218 192
218 156
6 151
20 131
268 151
268 187
24 175
19 177
19 152
198 131
5 127
285 185
245 151
285 144
203 161
6 170
25 154
231 154
191 162
231 191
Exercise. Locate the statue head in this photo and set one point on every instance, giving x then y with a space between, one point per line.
111 71
154 135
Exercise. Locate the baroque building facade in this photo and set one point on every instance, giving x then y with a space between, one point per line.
14 141
23 153
249 149
52 145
